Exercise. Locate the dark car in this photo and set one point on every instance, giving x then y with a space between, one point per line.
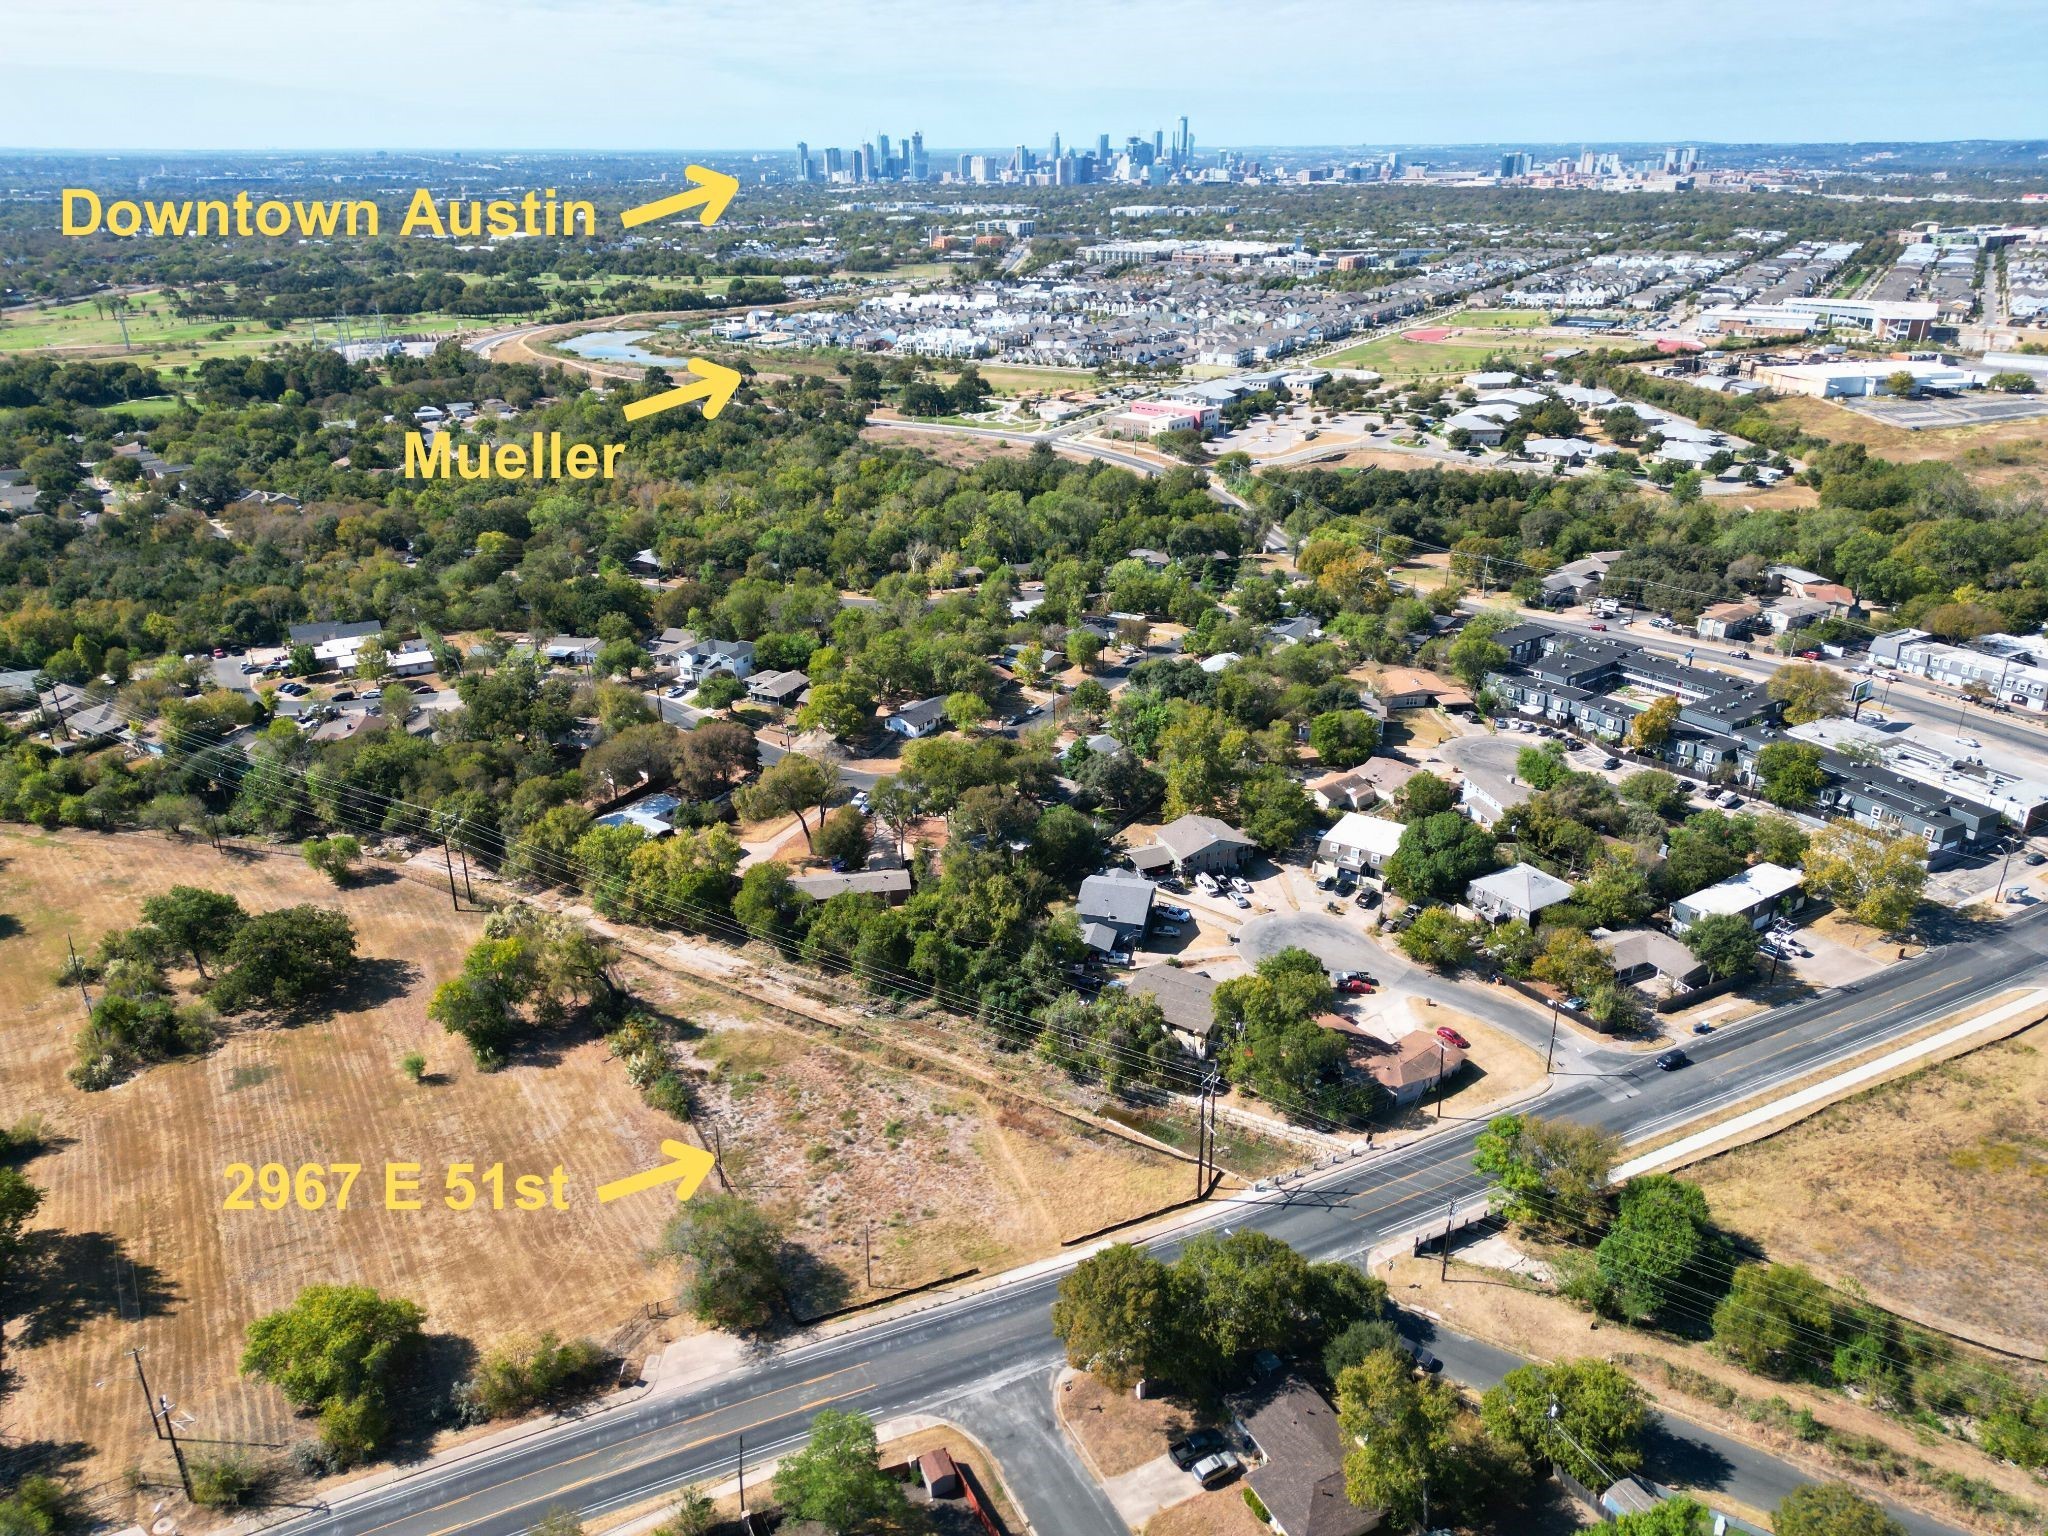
1672 1060
1368 897
1425 1362
2035 859
1190 1449
1703 1028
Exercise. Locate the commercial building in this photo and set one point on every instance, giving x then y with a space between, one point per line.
2011 669
1874 376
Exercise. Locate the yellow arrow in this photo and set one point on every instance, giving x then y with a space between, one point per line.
686 1168
714 189
715 385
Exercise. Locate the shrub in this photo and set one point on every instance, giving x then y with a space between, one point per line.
225 1481
538 1373
413 1065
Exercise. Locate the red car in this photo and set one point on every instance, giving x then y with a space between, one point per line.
1446 1033
1354 984
1596 626
1809 655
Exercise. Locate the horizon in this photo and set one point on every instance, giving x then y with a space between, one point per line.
724 78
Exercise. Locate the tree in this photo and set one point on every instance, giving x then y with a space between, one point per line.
1682 1516
338 1351
792 785
1360 1339
1549 1173
964 711
1343 738
1776 1320
39 1506
1808 691
196 921
1403 1452
1724 943
1240 1294
840 708
1876 879
1616 894
1475 654
694 1515
1439 938
719 691
335 857
1425 795
1583 1415
837 1478
1833 1509
1662 1250
1542 766
1274 809
1573 963
1790 773
1439 856
843 838
1901 381
1113 1315
282 958
735 1250
19 1200
1652 728
768 904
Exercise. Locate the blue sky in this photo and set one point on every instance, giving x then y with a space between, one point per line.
729 74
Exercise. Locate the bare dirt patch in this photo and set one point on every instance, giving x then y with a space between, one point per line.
1117 1431
1221 1512
956 449
1903 1188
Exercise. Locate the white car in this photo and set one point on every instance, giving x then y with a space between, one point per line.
1239 883
1240 898
1207 883
1174 914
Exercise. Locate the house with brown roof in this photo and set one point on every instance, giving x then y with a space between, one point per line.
1300 1475
1413 1065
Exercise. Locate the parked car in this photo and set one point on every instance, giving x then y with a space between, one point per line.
1215 1471
1172 913
1703 1028
1368 897
1425 1362
1240 899
2036 859
1445 1032
1239 883
1206 882
1356 985
1190 1449
1610 762
1672 1060
1167 930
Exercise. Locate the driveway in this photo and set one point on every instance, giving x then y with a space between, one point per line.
1142 1492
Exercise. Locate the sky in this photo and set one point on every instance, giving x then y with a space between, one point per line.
760 74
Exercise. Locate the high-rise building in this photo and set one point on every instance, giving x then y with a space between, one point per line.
835 162
881 154
920 167
803 161
1158 144
1514 163
1102 148
1055 146
1183 146
1022 162
1688 160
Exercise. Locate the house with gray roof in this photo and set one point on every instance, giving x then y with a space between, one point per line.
1117 908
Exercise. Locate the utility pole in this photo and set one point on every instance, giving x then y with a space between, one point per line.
1440 1079
867 1250
1444 1267
467 889
148 1402
743 1474
177 1451
1552 1046
449 859
84 996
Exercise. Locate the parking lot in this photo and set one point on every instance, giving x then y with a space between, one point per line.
1959 411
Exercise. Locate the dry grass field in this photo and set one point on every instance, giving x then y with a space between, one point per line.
1990 453
1904 1188
136 1250
142 1254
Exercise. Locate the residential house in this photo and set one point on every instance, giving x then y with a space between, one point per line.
1654 961
1204 845
782 688
892 885
919 719
1348 789
1727 621
1789 613
1519 891
1296 631
1360 842
654 815
1114 909
1101 744
697 660
572 650
1759 893
1410 688
1577 581
1412 1066
1300 1474
1186 999
1566 450
325 630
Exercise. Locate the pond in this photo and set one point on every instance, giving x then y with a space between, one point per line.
620 347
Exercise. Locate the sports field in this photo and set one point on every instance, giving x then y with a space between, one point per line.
1398 357
1499 319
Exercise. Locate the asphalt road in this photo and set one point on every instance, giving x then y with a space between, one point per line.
982 1357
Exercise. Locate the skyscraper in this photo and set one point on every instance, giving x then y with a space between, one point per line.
803 161
1182 144
1055 146
1102 148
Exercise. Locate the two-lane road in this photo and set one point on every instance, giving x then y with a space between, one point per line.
968 1356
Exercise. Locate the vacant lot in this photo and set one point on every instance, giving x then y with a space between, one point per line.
155 335
1399 358
136 1249
863 1157
1990 453
1904 1188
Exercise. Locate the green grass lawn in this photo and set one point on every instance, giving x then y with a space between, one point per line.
157 336
1498 319
1397 357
